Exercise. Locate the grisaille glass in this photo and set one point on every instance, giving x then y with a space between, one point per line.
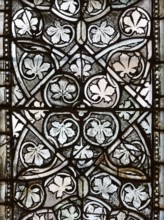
81 110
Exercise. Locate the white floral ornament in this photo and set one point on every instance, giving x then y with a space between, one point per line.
100 130
37 114
135 198
69 212
135 21
62 130
103 186
61 184
68 7
126 115
128 65
95 6
35 155
28 23
83 154
34 67
30 197
81 67
126 153
102 91
101 35
63 89
60 35
94 211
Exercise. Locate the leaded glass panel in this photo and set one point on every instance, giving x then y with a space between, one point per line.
81 95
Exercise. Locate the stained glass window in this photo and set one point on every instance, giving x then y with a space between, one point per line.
81 110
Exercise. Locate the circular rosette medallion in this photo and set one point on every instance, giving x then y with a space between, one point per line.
103 34
129 66
60 185
29 197
32 154
102 91
101 128
35 66
61 129
135 21
136 197
27 22
59 35
62 90
106 187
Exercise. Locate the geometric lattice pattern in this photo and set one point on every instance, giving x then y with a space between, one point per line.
80 100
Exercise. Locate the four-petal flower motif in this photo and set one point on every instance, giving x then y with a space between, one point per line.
127 65
36 154
62 130
134 23
61 185
102 90
27 24
59 33
104 186
35 67
135 196
100 130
